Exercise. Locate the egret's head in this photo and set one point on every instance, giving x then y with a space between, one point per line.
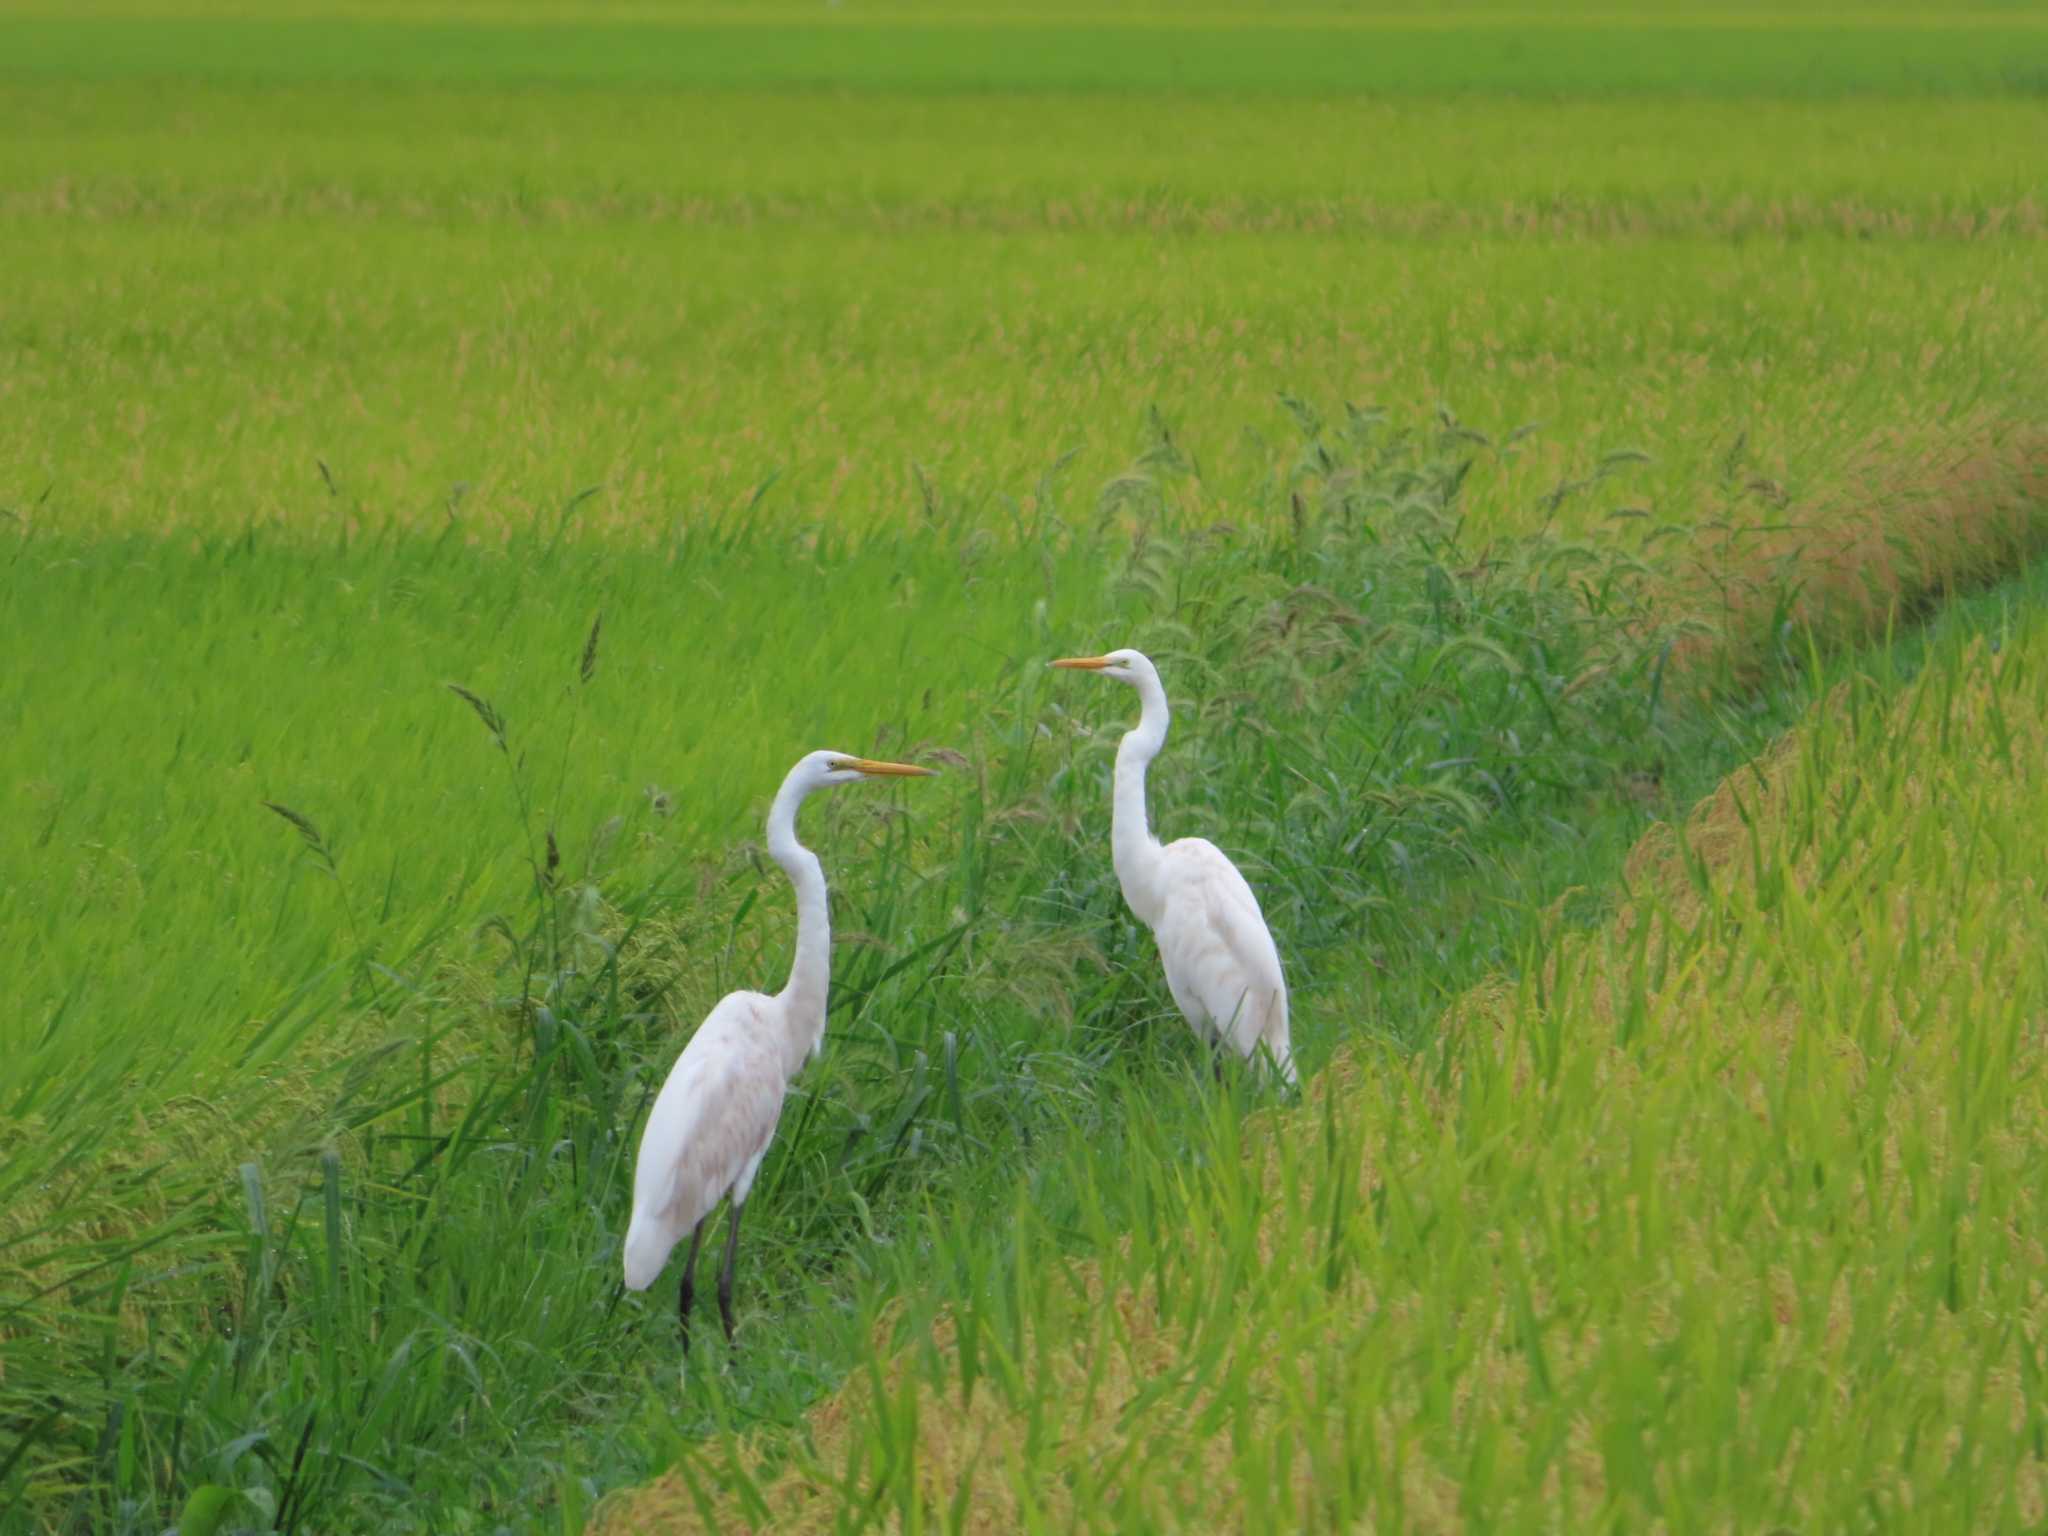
1126 665
823 768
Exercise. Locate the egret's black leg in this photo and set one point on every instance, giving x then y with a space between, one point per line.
732 1248
688 1293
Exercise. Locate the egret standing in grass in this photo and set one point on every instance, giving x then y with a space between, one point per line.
1221 964
716 1114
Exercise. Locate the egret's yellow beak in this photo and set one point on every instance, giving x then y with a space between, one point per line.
1083 663
868 765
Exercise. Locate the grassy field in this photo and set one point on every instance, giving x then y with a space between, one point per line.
1723 1216
699 389
1775 57
674 295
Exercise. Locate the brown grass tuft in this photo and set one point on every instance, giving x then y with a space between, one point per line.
1912 520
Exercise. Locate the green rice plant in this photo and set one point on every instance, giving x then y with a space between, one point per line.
335 1014
1714 1214
434 1203
1910 56
753 331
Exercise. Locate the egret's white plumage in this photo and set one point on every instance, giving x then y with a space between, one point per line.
1221 963
709 1128
715 1115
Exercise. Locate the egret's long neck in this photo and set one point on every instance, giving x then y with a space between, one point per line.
810 973
1133 849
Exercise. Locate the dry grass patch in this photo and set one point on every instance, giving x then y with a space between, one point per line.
1912 517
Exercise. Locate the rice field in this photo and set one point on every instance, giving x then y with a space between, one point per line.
1722 1214
452 460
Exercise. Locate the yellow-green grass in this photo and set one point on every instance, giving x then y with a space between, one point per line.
306 1091
1397 14
675 298
1688 50
1488 14
327 379
1012 160
1726 1216
292 1107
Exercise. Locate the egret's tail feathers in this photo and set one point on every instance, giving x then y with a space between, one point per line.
648 1244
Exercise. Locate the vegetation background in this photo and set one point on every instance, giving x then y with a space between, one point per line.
1500 426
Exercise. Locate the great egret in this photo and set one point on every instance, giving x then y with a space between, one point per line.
1221 964
713 1120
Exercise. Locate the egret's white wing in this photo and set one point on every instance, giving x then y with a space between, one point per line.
709 1126
1220 959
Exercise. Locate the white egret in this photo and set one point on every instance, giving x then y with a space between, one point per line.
716 1113
1221 963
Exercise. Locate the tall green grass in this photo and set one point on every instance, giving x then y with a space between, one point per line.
327 382
1721 1215
412 1272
